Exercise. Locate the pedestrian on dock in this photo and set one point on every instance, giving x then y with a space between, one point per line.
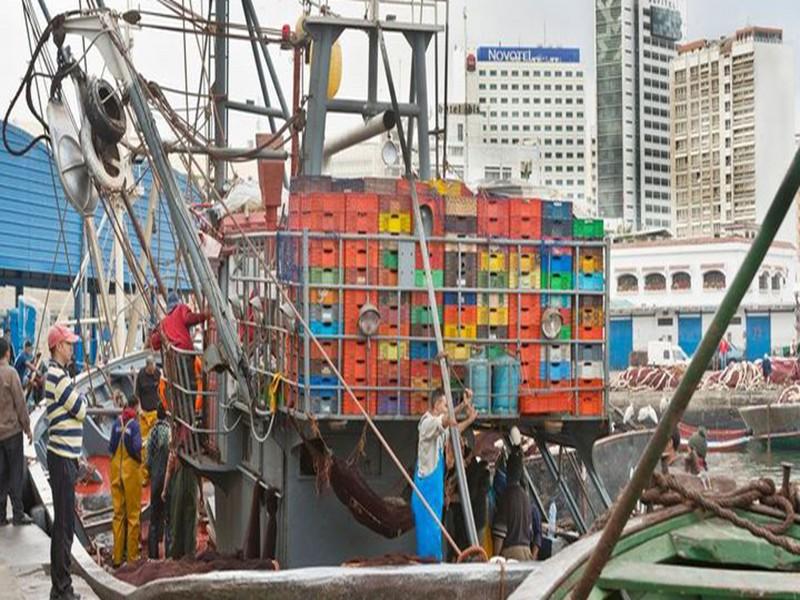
146 389
157 457
66 411
766 367
24 363
125 447
14 422
429 474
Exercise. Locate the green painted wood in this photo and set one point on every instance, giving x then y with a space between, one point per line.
629 543
698 581
720 542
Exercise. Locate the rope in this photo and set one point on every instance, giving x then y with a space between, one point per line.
667 491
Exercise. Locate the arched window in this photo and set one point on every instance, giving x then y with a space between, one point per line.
763 281
681 281
777 282
627 283
714 280
655 282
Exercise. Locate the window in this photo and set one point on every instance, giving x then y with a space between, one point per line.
665 322
681 281
460 132
627 283
777 281
714 280
763 281
491 173
654 282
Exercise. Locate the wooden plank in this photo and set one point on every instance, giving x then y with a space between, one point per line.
688 581
720 542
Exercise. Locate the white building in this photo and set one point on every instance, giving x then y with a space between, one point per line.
733 132
670 290
635 41
524 118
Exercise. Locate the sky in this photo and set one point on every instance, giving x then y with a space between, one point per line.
159 55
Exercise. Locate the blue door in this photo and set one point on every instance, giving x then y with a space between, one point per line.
690 330
758 341
620 343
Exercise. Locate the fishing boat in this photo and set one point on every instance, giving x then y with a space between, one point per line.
677 553
719 440
778 424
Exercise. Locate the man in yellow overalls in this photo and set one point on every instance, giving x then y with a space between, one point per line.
125 448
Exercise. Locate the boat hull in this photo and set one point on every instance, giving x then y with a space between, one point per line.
772 420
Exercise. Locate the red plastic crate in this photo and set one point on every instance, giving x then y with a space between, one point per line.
328 221
360 202
353 301
361 222
590 397
323 253
393 374
404 187
527 332
526 218
590 333
246 223
323 202
469 314
367 398
526 310
590 316
555 400
400 203
435 254
361 254
388 277
359 360
360 276
493 217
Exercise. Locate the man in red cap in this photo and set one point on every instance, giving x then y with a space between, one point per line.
66 410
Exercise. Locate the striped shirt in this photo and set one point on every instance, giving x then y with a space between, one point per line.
66 410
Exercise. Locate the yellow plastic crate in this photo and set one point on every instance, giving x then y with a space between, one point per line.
496 316
394 222
458 350
531 280
392 350
465 332
525 262
493 261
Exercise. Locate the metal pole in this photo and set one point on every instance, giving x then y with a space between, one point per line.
374 126
421 84
627 500
100 279
119 284
455 436
133 326
314 137
220 93
262 80
268 59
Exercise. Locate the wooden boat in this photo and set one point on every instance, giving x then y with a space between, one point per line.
676 553
719 440
780 423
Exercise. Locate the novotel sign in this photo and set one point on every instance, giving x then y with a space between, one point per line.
528 54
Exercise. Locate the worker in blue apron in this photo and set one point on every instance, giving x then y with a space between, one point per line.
429 474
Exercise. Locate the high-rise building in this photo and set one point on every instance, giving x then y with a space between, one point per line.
635 40
525 118
733 132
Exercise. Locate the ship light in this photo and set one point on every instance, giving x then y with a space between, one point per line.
369 318
551 323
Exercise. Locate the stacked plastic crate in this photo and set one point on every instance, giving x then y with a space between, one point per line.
460 224
591 318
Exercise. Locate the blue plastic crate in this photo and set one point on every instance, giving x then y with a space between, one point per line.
557 210
422 351
555 371
394 404
556 263
467 298
325 328
591 282
324 404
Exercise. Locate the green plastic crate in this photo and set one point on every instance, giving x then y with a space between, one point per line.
421 315
587 228
559 281
494 351
490 279
389 258
566 332
436 274
328 276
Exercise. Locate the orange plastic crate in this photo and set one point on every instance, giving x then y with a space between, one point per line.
361 254
590 333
